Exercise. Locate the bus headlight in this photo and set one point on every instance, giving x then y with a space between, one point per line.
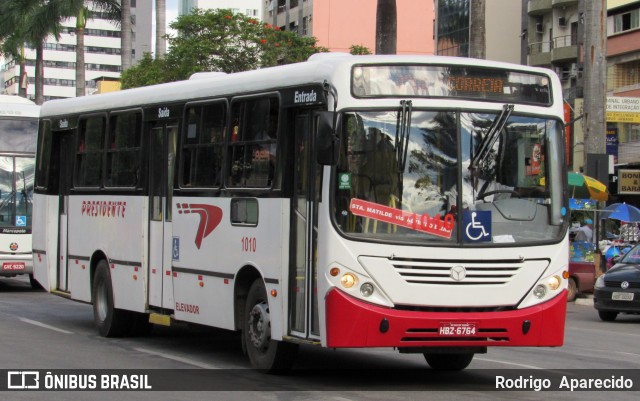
554 282
366 289
348 280
540 291
599 282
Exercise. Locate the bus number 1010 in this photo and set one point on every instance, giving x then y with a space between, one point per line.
248 244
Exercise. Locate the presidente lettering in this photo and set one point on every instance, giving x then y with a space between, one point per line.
104 208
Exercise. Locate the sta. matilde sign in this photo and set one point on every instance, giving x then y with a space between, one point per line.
623 109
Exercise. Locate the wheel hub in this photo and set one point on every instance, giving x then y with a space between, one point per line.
260 326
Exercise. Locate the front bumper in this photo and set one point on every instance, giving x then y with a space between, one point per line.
12 265
602 300
353 323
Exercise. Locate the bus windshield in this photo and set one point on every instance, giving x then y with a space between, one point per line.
420 175
16 191
18 135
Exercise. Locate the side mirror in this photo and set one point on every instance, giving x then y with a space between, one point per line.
327 140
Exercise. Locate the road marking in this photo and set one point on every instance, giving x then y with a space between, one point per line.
178 358
46 326
508 363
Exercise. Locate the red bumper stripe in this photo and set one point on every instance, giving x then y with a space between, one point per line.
353 323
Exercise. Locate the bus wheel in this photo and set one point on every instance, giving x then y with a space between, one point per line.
34 283
572 290
448 361
111 322
264 353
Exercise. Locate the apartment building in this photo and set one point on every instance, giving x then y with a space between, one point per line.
623 97
339 24
102 55
250 8
488 30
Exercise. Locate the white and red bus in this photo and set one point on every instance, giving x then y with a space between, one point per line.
18 133
408 202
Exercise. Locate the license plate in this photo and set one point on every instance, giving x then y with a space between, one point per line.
13 266
622 296
454 329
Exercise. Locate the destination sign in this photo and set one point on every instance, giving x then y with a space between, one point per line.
468 82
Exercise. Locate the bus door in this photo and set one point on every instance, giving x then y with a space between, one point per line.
303 273
63 147
162 145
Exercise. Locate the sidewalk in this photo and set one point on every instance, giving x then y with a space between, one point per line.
584 299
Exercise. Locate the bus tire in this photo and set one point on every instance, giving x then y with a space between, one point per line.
111 322
572 290
265 354
607 316
34 283
450 362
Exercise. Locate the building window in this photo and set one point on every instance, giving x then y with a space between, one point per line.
626 21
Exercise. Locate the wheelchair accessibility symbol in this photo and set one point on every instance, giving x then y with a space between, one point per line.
21 221
477 226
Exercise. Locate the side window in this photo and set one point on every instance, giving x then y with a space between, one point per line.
252 150
203 146
44 154
123 150
89 152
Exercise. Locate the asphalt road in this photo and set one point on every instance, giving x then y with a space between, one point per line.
39 331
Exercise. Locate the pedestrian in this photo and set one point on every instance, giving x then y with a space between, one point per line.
585 233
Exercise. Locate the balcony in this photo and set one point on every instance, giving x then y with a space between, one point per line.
565 48
539 7
540 54
564 3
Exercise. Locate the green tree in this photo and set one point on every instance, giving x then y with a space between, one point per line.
219 40
29 22
359 50
147 72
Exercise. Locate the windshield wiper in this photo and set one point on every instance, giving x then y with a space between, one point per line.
403 127
492 136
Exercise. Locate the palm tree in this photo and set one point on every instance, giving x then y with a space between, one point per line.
109 9
477 28
29 22
386 27
161 28
125 40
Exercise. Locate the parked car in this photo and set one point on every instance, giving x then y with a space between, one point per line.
582 276
618 290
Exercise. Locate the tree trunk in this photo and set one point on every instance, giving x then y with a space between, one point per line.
80 73
125 39
478 30
40 73
24 79
81 23
161 28
386 27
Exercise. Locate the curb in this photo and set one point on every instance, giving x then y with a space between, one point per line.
588 301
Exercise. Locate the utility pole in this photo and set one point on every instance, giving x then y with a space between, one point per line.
595 65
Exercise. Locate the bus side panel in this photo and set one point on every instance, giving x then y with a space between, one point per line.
111 225
44 238
222 253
